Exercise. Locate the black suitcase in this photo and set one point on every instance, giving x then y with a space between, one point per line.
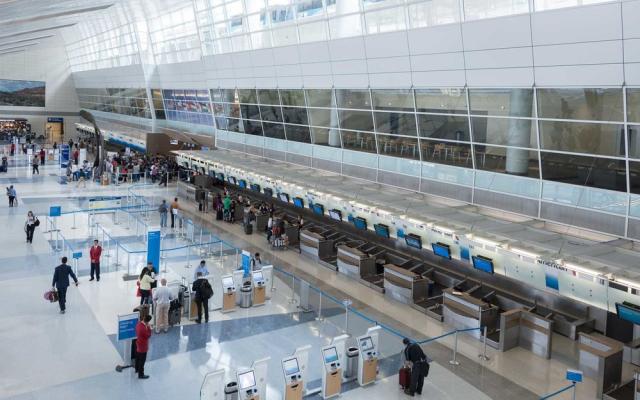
248 229
219 215
175 312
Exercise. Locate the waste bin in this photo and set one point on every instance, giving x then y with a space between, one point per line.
231 391
352 363
245 295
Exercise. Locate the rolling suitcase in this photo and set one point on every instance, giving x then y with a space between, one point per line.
175 312
404 377
248 228
219 215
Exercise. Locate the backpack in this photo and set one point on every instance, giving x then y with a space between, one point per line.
206 291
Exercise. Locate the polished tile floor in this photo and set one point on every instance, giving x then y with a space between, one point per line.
46 355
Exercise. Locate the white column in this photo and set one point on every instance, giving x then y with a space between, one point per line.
519 133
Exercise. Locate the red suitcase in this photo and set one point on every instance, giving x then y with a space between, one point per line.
404 377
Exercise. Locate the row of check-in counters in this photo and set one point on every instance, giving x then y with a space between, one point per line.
448 296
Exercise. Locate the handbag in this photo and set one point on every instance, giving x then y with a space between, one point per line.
138 292
37 223
51 295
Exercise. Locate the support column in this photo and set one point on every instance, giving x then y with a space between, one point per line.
519 134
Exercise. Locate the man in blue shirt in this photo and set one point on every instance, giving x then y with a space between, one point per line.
202 268
61 282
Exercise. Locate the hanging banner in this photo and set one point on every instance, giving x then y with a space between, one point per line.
153 248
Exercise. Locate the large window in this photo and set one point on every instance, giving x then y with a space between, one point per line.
445 101
590 104
580 137
502 102
597 172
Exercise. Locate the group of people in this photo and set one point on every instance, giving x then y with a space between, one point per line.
164 209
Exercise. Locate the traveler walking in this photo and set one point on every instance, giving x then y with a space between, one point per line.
163 210
174 211
94 253
203 290
162 296
30 226
417 360
12 194
145 280
35 164
61 282
143 334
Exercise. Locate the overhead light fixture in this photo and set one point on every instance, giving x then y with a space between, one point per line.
48 28
483 240
58 14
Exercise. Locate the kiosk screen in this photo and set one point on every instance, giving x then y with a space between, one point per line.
628 312
413 241
298 202
360 223
246 380
330 355
232 180
242 183
335 215
483 264
268 192
291 366
382 230
227 282
366 344
284 197
318 209
257 276
442 250
255 187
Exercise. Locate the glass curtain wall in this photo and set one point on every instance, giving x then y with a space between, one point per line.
132 102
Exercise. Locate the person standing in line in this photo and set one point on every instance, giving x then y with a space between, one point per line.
43 156
35 163
201 269
94 254
11 193
30 226
163 210
417 360
174 211
162 296
203 292
143 334
145 280
61 282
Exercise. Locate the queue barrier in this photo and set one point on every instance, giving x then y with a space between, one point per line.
558 392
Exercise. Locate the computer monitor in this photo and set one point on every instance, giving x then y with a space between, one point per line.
318 209
268 192
628 312
441 249
232 180
335 215
413 240
227 282
298 202
360 223
291 366
366 344
246 380
483 264
242 183
381 230
257 276
284 197
330 355
255 187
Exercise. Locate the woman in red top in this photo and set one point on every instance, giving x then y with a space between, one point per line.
143 333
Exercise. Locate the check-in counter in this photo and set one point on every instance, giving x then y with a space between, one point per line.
600 358
354 262
521 328
627 391
461 310
567 325
315 242
404 285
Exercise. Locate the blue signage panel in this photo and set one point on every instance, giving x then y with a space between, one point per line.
64 155
55 119
153 249
77 255
127 326
574 375
246 263
55 211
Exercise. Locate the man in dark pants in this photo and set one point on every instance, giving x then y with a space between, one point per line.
143 333
94 253
200 287
419 366
61 282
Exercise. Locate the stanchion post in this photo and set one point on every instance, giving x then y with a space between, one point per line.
188 257
319 318
74 221
484 356
455 361
292 300
346 317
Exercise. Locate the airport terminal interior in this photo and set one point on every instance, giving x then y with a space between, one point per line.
316 199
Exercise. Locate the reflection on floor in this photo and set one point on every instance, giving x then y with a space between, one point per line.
51 356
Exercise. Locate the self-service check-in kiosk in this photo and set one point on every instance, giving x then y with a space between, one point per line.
247 388
259 288
293 380
228 293
332 373
368 360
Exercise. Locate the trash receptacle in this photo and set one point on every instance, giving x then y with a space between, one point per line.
245 296
351 369
231 391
